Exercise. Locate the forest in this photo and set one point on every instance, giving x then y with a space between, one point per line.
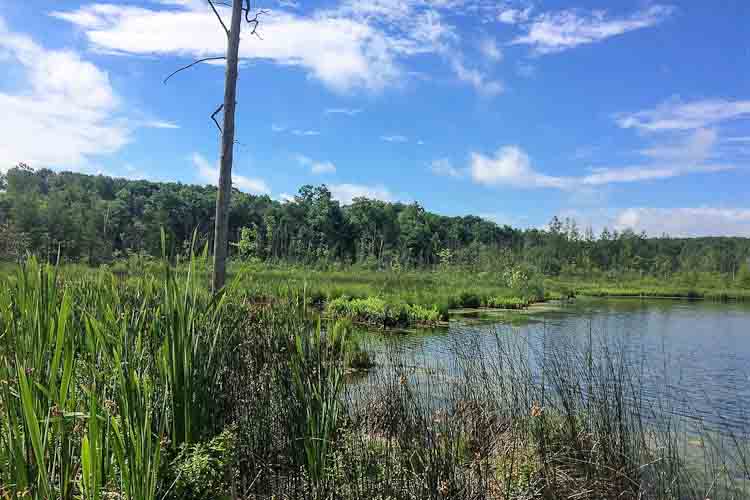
98 219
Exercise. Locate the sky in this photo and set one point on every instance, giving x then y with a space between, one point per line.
619 114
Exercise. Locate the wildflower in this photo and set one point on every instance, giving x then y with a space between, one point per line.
55 412
536 410
402 380
444 488
29 371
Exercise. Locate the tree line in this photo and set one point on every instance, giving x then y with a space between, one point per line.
99 219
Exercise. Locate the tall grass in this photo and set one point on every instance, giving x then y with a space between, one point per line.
113 386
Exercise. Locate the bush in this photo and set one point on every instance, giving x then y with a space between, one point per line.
204 471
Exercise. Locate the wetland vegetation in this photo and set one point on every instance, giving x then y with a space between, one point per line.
123 376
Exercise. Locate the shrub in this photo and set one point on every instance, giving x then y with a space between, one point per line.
204 471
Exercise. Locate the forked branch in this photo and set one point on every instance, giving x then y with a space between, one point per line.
213 117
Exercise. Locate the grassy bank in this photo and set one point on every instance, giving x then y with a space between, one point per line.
649 287
151 388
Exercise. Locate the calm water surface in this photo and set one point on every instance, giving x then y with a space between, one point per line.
692 358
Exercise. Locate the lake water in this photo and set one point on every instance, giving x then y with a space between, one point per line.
692 357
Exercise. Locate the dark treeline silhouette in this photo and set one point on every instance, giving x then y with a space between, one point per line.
98 219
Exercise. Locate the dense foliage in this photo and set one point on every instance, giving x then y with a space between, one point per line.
96 219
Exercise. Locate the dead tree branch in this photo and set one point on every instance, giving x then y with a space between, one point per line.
217 58
213 116
218 16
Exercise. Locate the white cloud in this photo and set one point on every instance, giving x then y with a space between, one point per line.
510 166
343 111
677 115
345 48
278 128
346 193
359 44
558 31
285 197
443 166
600 176
476 78
160 124
394 138
694 149
210 174
514 16
700 221
305 133
65 112
488 47
316 167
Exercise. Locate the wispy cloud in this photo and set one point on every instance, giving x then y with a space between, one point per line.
316 167
511 166
443 166
394 138
489 49
355 45
514 16
675 114
210 173
160 124
343 111
346 193
686 222
553 32
476 78
278 128
305 133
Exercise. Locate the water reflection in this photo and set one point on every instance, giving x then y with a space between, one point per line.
688 358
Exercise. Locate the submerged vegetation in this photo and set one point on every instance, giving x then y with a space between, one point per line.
149 387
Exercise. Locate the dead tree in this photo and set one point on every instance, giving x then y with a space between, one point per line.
224 192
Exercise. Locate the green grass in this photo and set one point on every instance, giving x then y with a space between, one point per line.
146 387
709 288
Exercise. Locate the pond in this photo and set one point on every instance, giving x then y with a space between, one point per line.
692 358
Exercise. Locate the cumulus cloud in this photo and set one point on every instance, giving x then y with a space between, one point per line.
676 115
553 32
316 167
346 193
510 166
685 222
210 174
64 114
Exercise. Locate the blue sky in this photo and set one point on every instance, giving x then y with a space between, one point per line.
634 116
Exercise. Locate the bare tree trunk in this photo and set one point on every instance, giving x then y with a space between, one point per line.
221 232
